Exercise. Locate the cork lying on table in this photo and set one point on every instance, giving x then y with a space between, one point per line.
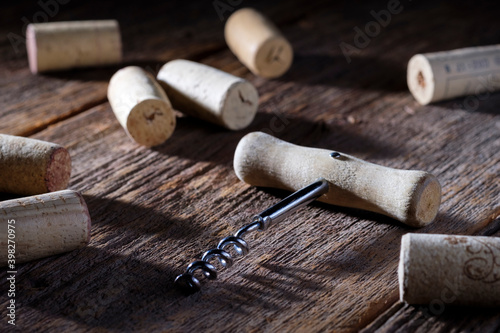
473 71
43 225
64 45
141 106
257 43
410 196
29 166
210 94
447 269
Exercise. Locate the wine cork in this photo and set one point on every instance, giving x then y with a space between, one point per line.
63 45
410 196
141 106
210 94
29 166
446 269
433 77
257 43
44 225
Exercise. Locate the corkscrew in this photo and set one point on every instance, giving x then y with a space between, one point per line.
261 222
410 196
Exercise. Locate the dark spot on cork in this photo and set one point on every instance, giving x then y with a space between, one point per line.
151 117
243 100
455 240
274 55
39 199
421 79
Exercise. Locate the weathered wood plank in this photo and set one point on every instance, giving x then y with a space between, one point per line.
183 32
436 318
323 269
135 194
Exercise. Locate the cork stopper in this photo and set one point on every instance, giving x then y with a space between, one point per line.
438 76
30 166
448 269
45 224
208 93
257 43
141 106
63 45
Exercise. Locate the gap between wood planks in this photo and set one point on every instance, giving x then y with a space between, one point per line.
85 107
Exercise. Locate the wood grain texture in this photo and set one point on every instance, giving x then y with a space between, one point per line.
155 210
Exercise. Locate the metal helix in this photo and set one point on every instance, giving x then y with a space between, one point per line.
189 283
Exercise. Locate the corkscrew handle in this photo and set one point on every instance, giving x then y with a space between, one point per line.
410 196
188 283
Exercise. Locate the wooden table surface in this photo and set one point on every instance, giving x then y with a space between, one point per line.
155 210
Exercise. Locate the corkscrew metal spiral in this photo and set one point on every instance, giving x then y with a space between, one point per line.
188 283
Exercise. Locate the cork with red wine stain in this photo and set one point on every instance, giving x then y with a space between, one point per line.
30 166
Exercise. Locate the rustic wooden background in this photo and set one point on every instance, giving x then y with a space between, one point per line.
155 210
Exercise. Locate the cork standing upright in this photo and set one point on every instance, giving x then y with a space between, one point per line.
257 43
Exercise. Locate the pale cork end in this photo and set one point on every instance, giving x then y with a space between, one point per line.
403 258
151 122
274 58
257 43
420 79
86 216
425 202
240 106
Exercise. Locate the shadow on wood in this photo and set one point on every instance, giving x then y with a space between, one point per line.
131 221
95 287
102 73
488 103
102 289
369 73
437 317
193 133
129 276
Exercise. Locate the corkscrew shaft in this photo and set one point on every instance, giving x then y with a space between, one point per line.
287 206
190 284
